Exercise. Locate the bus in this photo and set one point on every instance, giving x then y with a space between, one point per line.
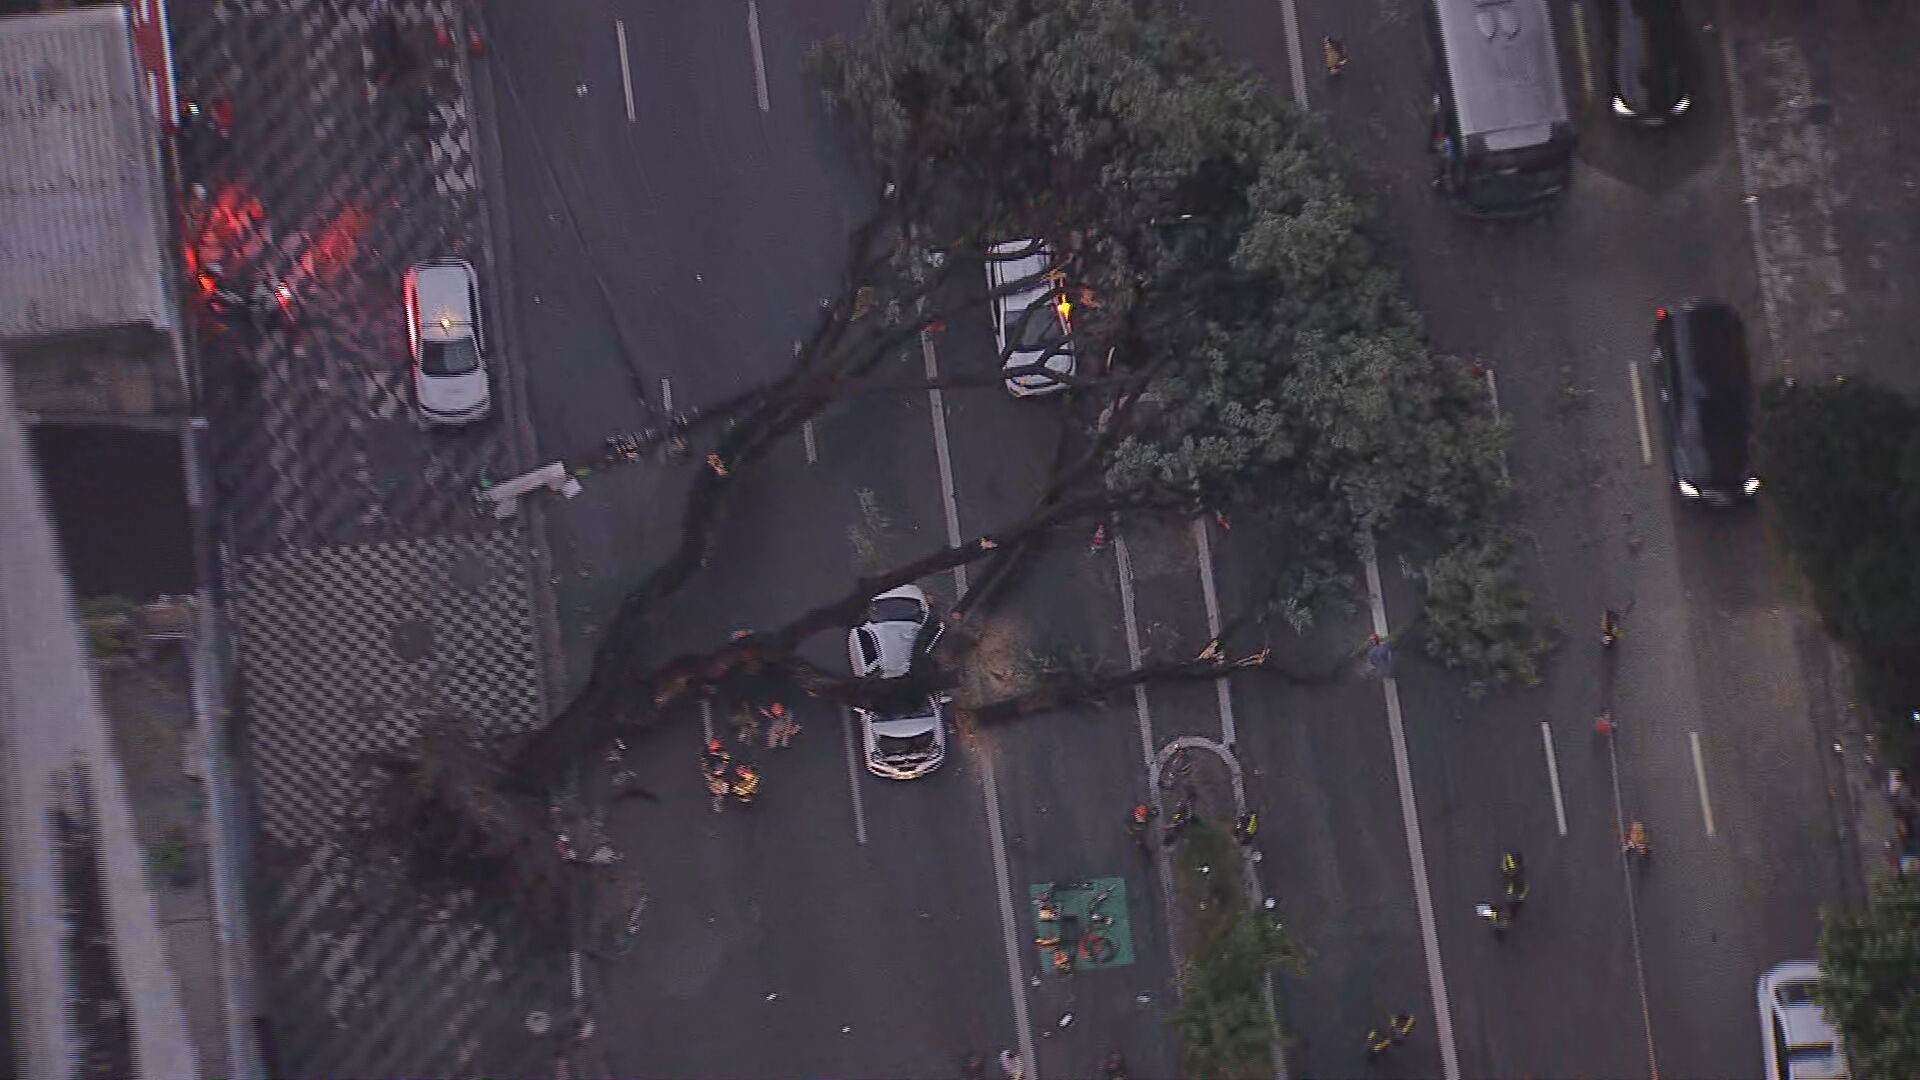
1501 131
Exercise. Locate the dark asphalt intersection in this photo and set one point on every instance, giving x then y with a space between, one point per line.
671 238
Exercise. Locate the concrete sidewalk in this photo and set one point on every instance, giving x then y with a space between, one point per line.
1832 166
366 594
1832 170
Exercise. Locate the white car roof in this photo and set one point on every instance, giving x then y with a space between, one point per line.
896 646
895 638
444 291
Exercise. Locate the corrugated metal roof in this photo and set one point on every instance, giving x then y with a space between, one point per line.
80 189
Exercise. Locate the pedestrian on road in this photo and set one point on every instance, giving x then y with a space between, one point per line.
1378 1041
746 724
782 727
1334 52
1379 656
1245 826
1011 1067
1603 724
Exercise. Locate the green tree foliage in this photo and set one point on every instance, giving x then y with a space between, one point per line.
1476 615
1870 981
1269 358
1842 462
1226 1029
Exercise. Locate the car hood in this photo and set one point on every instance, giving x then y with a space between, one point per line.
453 395
925 739
904 727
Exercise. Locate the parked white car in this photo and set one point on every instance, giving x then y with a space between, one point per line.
1801 1043
1030 317
911 741
447 342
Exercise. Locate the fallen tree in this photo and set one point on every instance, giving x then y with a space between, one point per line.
1265 361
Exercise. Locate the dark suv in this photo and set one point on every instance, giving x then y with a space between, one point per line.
1705 382
1649 59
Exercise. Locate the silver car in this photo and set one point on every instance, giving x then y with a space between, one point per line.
1801 1043
909 742
447 342
1031 318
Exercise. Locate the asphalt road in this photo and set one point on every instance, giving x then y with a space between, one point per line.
689 242
855 926
1720 751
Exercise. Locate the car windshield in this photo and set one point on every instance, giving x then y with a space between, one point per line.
1647 52
1722 420
892 748
894 609
1037 329
459 357
1797 993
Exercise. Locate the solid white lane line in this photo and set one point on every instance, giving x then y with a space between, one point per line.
847 725
759 58
806 439
1143 723
666 396
1633 909
626 73
1123 564
1553 777
1493 395
1203 544
1640 413
1700 778
944 456
706 718
1582 52
1290 18
1416 851
1009 939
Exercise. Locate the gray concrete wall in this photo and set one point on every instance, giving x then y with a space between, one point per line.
50 715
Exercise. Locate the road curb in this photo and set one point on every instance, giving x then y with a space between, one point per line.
1864 825
497 241
582 1054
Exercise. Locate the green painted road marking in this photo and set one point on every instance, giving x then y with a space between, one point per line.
1074 905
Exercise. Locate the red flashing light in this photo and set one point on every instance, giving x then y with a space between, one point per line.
1660 313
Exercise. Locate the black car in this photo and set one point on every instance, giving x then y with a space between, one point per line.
1705 382
1650 60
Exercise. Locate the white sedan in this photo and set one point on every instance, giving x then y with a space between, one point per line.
1801 1043
447 342
909 741
1033 317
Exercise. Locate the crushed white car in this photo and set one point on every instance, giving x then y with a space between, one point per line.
911 742
1034 318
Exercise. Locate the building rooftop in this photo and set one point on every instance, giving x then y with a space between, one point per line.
83 248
